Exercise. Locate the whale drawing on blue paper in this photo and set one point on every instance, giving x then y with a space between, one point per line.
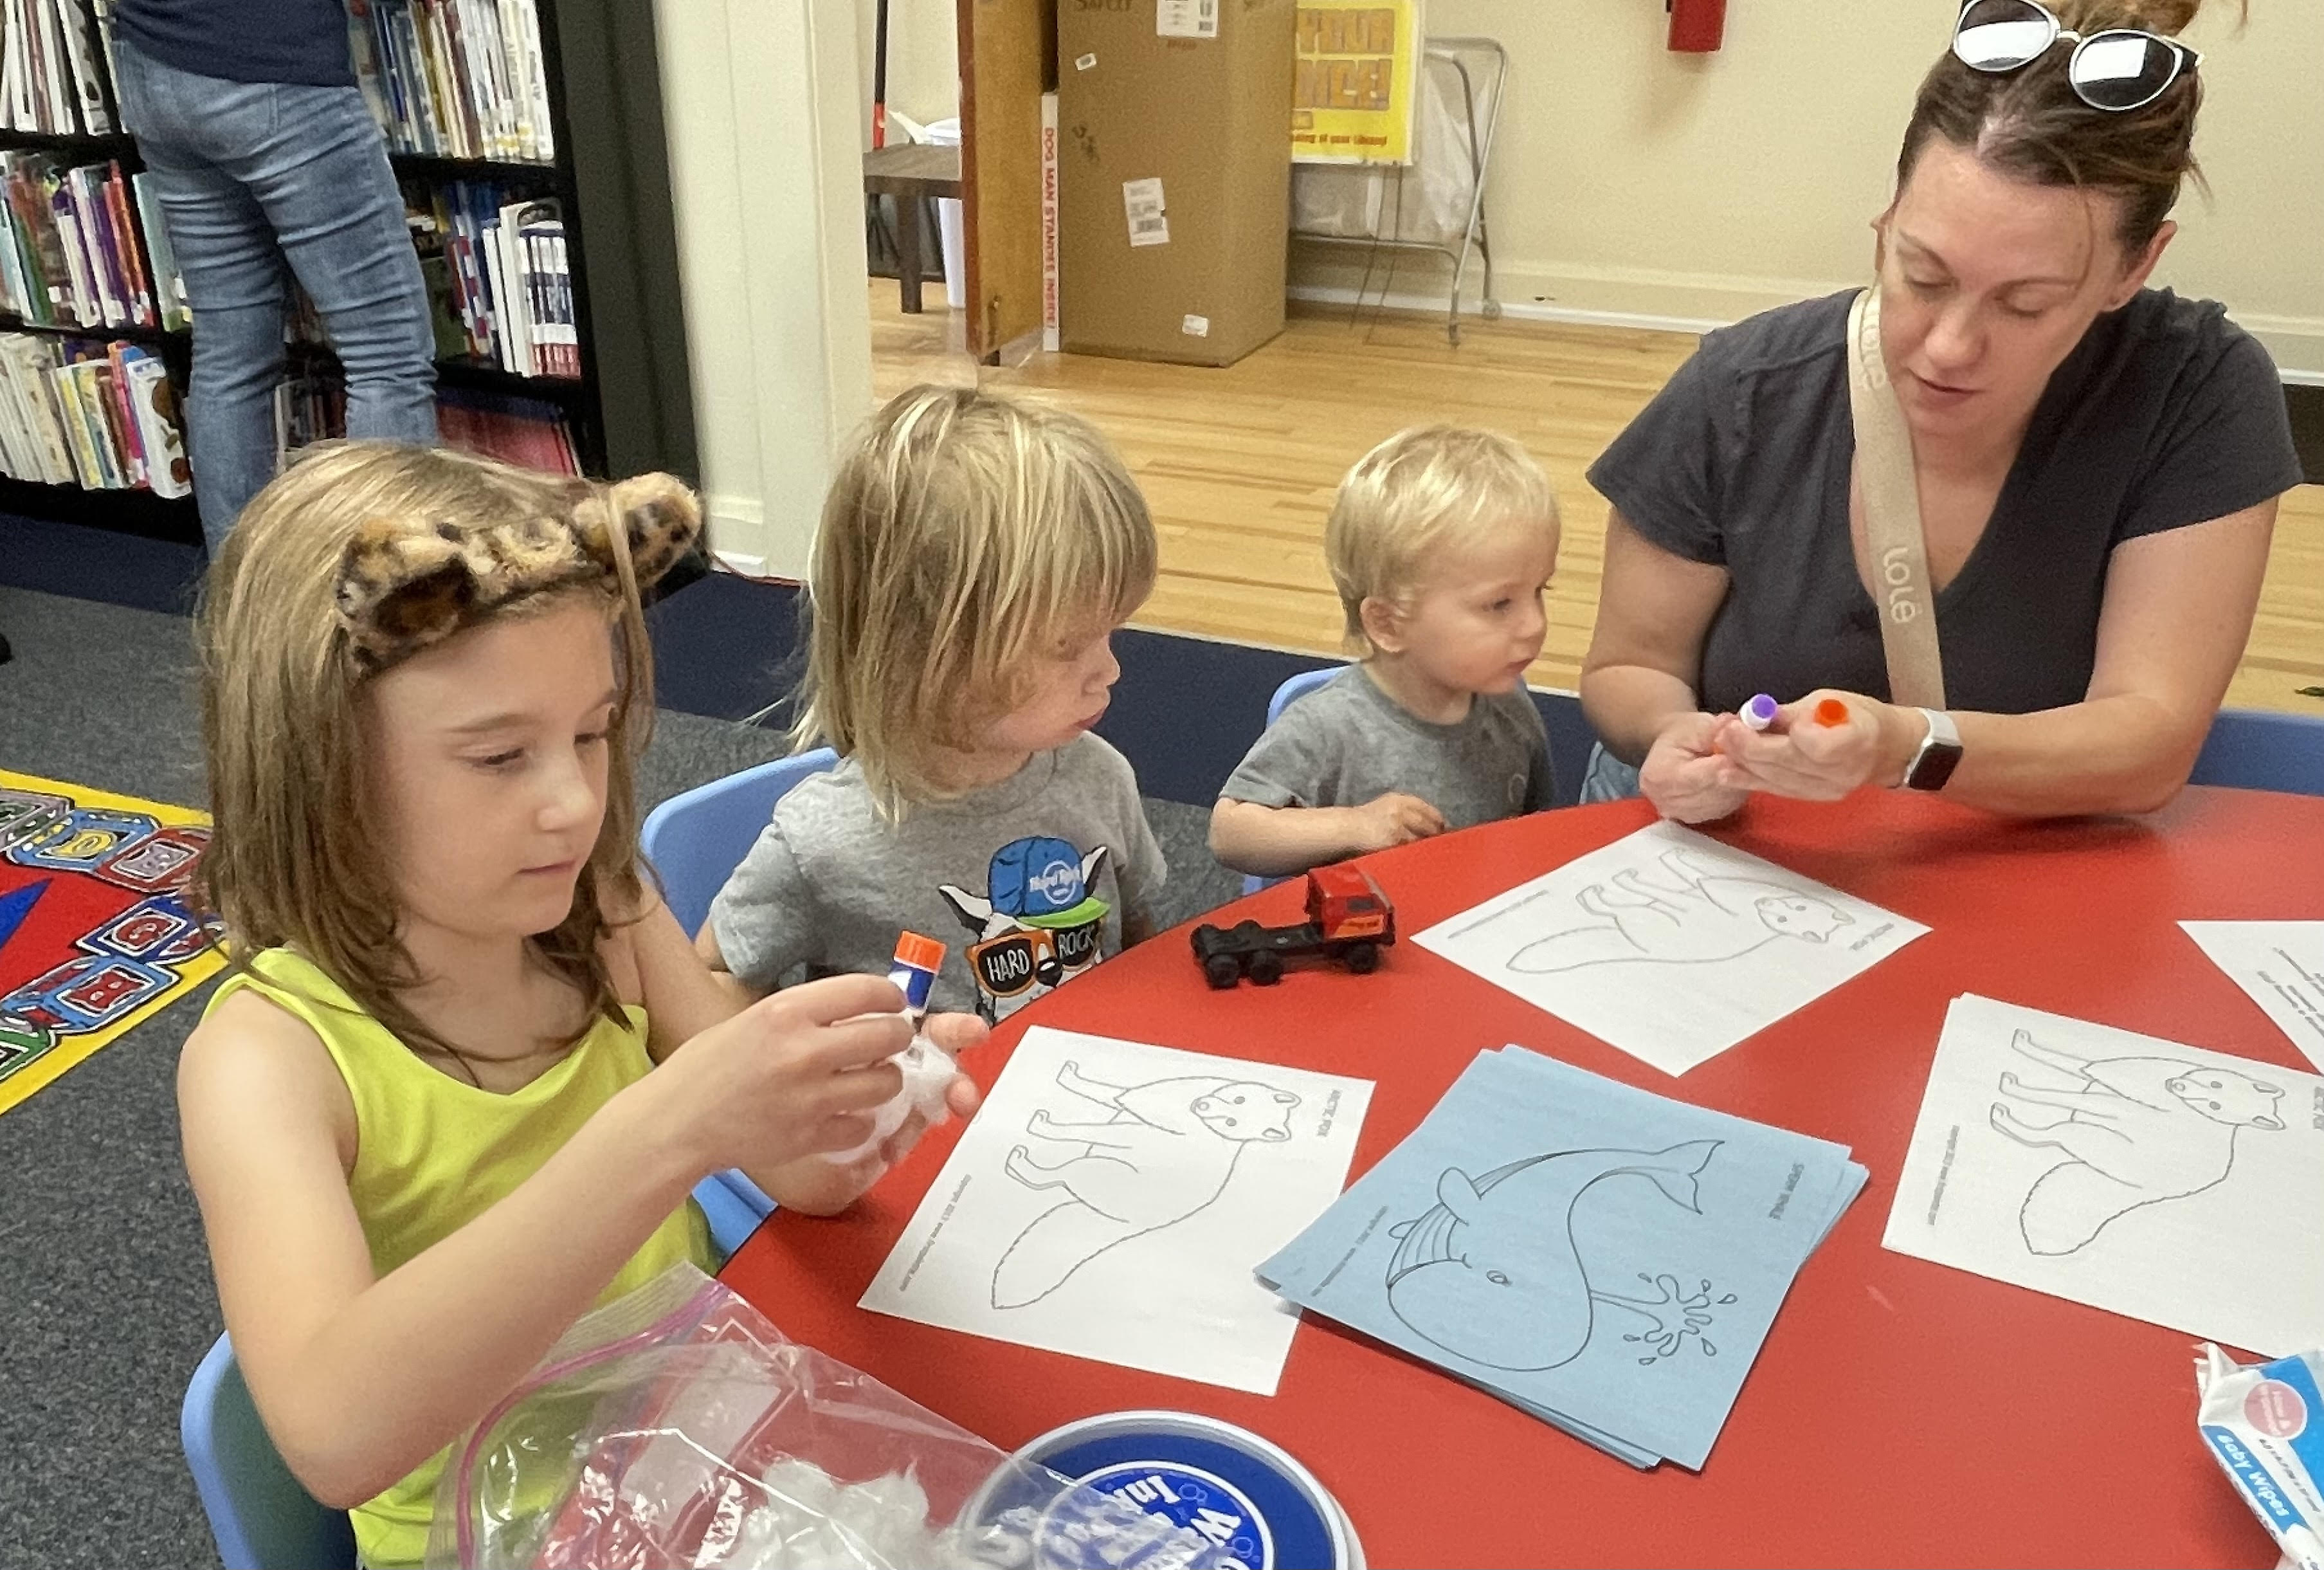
1492 1272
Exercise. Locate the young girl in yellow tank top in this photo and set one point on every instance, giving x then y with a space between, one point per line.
418 1115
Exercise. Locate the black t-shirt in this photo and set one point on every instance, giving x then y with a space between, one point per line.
304 41
2165 414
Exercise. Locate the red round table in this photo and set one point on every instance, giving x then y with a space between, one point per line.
1900 1412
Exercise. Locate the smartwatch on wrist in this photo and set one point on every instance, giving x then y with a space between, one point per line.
1940 754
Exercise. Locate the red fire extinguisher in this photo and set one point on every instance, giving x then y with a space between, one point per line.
1695 25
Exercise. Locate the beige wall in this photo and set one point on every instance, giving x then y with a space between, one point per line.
923 58
1631 180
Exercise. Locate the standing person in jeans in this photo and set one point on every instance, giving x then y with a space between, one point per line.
265 157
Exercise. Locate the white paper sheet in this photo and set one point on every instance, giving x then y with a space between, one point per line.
1670 945
1112 1199
2281 964
2138 1175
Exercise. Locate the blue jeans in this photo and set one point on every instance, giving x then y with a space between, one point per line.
1608 777
259 181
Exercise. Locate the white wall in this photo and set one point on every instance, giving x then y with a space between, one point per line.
765 161
923 59
1630 180
1703 188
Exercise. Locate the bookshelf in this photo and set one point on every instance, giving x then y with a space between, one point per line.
630 406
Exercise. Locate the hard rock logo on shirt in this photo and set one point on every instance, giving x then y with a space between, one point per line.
1037 925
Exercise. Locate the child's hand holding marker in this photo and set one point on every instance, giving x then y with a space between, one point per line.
1685 775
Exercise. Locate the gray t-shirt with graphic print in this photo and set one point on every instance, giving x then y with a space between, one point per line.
1027 881
1348 743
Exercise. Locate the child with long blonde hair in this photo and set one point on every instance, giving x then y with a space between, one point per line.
417 1115
976 557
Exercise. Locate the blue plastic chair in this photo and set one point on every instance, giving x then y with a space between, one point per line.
1290 693
263 1518
696 838
2255 750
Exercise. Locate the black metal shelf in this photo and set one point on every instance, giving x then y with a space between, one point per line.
111 145
160 337
465 370
486 376
135 512
435 166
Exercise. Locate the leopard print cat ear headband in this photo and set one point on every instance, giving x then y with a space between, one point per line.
405 588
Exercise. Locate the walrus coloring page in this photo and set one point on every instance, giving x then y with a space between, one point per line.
1669 945
1598 1256
1112 1198
2138 1175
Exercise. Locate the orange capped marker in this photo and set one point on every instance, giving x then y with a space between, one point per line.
1831 712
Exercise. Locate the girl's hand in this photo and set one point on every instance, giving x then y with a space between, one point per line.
1685 775
956 1033
1802 757
794 1075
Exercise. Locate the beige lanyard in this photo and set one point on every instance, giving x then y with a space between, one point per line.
1892 516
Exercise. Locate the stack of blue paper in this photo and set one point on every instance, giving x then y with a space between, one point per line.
1606 1259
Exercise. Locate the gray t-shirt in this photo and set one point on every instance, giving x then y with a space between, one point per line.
2165 414
1348 743
1027 881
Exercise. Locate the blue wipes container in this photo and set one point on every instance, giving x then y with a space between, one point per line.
1248 1497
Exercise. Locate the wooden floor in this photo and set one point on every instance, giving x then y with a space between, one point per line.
1238 465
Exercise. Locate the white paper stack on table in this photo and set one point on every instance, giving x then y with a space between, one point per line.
1669 945
1603 1258
1112 1198
2135 1175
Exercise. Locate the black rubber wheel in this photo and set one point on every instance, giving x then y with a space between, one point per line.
1266 969
1363 958
1221 972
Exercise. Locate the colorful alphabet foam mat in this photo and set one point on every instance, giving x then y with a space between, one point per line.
95 931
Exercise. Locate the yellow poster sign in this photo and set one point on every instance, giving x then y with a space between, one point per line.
1352 90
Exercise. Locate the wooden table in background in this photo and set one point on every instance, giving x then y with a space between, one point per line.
1900 1412
911 171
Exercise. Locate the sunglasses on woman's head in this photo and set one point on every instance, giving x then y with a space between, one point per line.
2122 67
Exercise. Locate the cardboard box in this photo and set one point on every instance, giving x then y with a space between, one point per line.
1174 189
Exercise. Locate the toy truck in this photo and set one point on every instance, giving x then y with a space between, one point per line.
1347 919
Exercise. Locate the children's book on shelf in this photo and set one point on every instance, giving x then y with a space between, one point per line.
48 73
103 416
499 275
455 79
75 251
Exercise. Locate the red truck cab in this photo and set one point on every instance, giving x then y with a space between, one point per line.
1349 919
1344 903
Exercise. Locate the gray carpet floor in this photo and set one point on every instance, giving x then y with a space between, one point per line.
105 1302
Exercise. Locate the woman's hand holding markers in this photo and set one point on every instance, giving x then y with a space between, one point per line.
1827 745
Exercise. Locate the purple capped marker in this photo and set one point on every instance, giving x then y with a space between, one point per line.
1760 712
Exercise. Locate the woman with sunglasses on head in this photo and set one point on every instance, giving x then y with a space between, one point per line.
2096 465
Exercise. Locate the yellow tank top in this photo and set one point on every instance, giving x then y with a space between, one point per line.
433 1153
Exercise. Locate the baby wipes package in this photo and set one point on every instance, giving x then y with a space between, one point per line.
2265 1423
